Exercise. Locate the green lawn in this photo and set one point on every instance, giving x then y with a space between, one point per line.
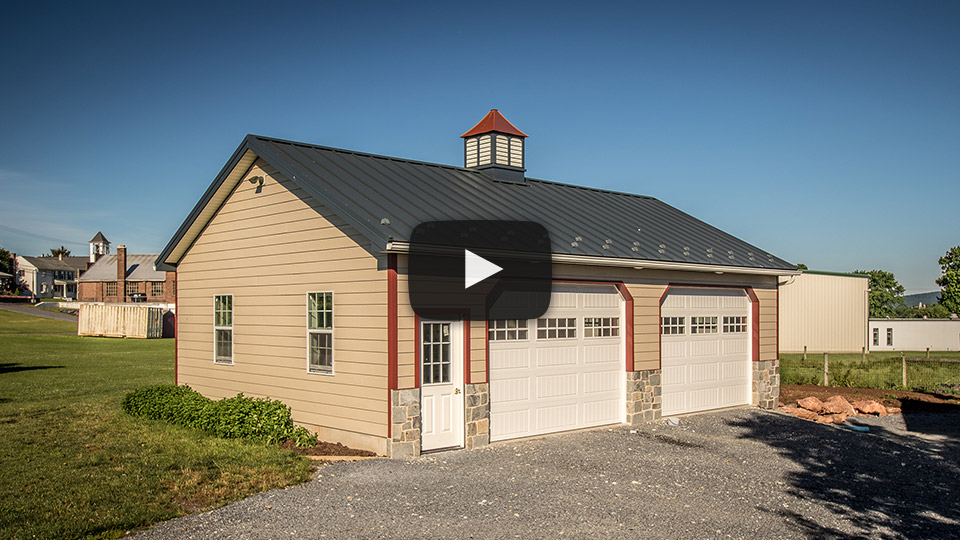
72 464
880 369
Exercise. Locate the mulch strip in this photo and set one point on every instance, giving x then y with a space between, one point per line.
326 449
906 400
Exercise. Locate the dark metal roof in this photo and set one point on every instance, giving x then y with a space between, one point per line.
48 263
384 198
99 238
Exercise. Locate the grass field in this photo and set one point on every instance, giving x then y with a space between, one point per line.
72 464
881 369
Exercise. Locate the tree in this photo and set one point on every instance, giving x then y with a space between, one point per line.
886 294
8 266
949 282
935 311
56 252
801 266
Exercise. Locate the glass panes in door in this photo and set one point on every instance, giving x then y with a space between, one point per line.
436 354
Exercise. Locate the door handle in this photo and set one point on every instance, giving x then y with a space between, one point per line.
456 390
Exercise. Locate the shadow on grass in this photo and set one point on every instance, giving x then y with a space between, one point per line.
876 481
13 367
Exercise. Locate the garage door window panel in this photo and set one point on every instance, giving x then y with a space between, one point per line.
673 326
557 328
601 327
734 325
508 330
703 325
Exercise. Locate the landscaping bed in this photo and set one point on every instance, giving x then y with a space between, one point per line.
904 399
325 449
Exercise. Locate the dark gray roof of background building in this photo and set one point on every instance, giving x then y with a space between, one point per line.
99 238
139 268
384 198
48 263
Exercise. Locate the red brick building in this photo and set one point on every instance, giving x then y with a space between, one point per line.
126 277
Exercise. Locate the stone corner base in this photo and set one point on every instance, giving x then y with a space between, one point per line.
643 396
477 415
405 424
766 383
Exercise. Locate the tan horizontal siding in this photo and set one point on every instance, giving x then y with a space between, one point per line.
268 250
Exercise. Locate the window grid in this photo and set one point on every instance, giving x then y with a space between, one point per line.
436 353
673 326
601 326
890 337
131 288
876 337
111 289
734 325
703 325
156 288
508 330
223 328
320 332
556 328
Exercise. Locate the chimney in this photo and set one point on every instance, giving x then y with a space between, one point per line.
122 271
495 147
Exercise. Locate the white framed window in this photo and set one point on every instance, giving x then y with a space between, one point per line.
320 332
508 330
601 327
890 337
734 325
673 326
556 328
876 337
703 325
111 289
156 288
131 288
223 329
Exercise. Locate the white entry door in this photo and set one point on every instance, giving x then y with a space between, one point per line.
562 371
705 349
441 384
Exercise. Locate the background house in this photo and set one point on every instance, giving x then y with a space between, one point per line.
46 277
824 312
292 277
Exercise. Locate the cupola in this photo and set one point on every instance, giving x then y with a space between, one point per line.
495 146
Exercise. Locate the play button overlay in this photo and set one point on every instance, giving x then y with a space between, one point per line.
483 269
476 269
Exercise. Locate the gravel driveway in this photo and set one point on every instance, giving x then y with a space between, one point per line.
741 473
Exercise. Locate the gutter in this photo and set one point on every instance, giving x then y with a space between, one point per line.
636 264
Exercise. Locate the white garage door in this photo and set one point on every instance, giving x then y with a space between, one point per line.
705 349
562 371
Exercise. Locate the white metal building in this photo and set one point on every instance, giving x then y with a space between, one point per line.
824 312
914 334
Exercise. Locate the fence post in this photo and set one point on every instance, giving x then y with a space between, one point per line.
903 366
863 355
804 353
826 369
928 353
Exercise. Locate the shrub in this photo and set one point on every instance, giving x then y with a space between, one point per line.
239 417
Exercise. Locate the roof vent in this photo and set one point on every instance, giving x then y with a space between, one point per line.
495 146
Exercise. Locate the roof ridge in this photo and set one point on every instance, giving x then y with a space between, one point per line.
364 154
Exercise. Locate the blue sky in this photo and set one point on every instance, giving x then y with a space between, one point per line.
825 132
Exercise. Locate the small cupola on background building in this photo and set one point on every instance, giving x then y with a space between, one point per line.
495 146
99 246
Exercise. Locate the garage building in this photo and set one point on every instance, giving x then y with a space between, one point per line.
292 284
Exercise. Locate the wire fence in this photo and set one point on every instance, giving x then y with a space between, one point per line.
898 371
